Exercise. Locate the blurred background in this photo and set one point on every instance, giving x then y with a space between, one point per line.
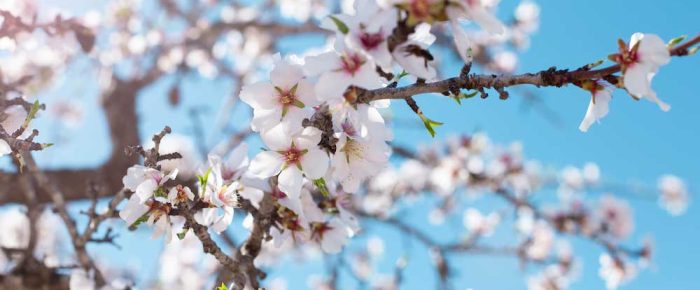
633 145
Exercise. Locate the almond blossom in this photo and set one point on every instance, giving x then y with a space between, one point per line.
368 30
647 52
337 70
286 100
292 158
145 181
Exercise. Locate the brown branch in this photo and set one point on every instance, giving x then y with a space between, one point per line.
545 78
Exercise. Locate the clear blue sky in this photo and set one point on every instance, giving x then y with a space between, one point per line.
636 141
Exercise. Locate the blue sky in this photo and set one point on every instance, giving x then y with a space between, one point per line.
635 142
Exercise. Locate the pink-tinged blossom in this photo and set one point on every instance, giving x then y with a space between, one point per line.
411 55
615 217
286 100
674 194
647 52
615 271
133 210
357 158
331 235
292 157
338 70
145 181
368 30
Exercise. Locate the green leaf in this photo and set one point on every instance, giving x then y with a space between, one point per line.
321 185
46 145
31 115
203 179
222 287
342 27
429 124
401 75
677 40
458 98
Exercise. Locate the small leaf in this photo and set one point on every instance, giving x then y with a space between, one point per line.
46 145
458 98
693 50
31 115
401 75
203 180
342 27
429 124
677 40
321 185
222 287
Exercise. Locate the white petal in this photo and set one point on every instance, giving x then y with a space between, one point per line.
278 137
653 49
596 111
314 163
305 94
308 139
462 42
133 210
260 95
332 85
265 119
317 64
286 75
367 77
290 182
145 190
253 195
486 20
266 164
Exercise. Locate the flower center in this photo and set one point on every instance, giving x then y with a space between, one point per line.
371 40
353 149
287 98
351 63
292 156
319 229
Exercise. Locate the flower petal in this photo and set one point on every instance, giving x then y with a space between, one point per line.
290 181
266 164
260 95
315 163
